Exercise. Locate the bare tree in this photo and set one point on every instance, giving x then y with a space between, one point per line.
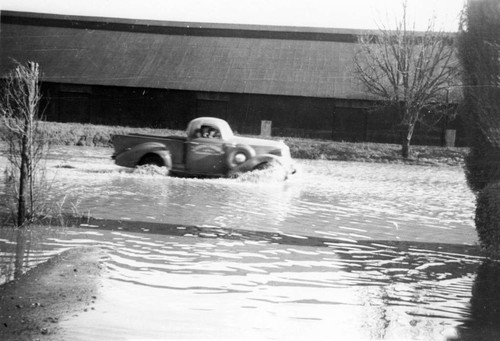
407 70
20 115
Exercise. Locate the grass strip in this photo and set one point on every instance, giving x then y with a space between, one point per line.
77 134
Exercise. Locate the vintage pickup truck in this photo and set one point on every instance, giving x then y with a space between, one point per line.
210 149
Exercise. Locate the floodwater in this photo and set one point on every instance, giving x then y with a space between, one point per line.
351 251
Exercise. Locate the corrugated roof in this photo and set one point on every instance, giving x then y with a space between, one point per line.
184 56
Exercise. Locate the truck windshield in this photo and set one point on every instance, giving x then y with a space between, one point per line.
195 128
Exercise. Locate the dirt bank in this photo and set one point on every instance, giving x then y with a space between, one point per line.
67 285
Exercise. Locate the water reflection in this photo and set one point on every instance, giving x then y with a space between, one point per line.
482 320
376 289
21 252
24 248
15 253
12 256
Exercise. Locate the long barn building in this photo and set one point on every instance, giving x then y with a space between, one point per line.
162 74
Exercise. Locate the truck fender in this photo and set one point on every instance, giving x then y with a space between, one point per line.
257 161
239 155
131 157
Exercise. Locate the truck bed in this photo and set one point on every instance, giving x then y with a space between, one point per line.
175 144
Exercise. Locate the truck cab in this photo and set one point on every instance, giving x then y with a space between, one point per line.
205 145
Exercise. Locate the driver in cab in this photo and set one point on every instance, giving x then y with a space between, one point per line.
207 132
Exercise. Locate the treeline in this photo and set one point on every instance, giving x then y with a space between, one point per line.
479 51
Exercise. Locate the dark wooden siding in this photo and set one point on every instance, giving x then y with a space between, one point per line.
291 116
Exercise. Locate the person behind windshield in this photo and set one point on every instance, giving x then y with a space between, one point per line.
213 134
205 131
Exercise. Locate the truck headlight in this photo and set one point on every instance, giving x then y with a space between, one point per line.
240 158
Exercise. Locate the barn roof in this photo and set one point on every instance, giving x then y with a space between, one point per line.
249 59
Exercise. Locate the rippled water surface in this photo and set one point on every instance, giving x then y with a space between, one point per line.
340 251
341 200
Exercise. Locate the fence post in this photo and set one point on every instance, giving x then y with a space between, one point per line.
265 128
449 137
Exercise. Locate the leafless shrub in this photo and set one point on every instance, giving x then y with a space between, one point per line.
26 146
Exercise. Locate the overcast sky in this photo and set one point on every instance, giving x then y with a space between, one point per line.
364 14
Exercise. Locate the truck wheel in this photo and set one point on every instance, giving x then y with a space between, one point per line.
151 159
